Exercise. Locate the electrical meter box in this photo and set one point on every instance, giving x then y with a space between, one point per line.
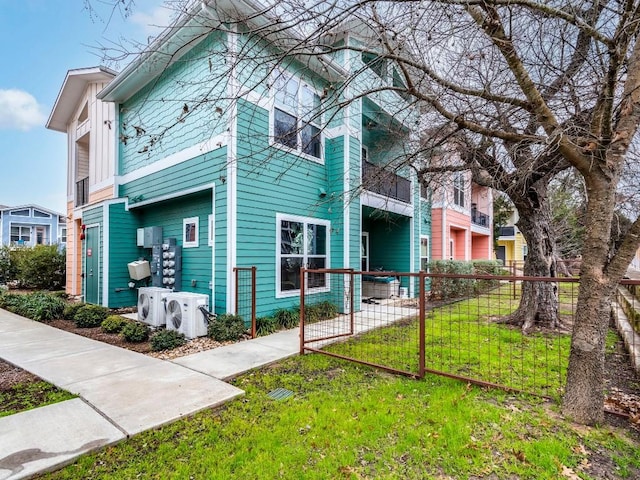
147 237
171 264
139 270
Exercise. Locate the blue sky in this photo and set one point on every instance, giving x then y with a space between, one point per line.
42 39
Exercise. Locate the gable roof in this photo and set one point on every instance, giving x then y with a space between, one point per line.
5 208
191 28
70 93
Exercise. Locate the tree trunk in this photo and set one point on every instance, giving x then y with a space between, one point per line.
539 300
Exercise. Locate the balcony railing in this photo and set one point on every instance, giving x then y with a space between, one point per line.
480 219
82 192
381 181
507 231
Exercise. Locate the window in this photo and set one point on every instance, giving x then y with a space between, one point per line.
20 213
41 214
525 251
365 154
296 116
364 255
458 189
301 242
376 64
20 234
190 232
63 235
424 254
212 226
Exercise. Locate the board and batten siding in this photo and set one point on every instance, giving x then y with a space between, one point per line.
271 181
184 106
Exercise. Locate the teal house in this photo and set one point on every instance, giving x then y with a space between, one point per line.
248 153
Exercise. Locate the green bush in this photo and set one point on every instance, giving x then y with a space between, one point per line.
443 288
226 327
487 267
41 266
40 306
320 311
135 332
7 267
89 316
114 324
167 340
70 310
287 318
265 325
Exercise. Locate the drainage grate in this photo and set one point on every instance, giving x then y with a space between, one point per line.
280 394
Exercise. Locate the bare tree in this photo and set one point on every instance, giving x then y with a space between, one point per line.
523 88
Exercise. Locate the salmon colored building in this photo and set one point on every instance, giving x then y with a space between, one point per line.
462 219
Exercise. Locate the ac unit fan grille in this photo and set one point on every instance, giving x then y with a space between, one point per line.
174 311
144 306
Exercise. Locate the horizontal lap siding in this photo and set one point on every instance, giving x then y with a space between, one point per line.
201 170
354 204
335 166
186 105
270 181
123 249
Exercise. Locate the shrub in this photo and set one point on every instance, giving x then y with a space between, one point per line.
39 306
226 327
135 332
41 266
265 325
70 310
7 267
167 340
287 318
320 311
89 316
443 288
113 324
487 267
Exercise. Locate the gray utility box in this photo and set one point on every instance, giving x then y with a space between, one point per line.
149 236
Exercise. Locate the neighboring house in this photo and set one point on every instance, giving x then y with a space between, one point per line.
462 219
255 173
512 246
29 225
90 125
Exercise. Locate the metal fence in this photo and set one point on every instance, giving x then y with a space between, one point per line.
453 325
245 299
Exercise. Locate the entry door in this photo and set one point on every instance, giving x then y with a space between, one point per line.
92 265
501 254
41 236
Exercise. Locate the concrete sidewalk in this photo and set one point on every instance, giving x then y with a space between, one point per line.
121 393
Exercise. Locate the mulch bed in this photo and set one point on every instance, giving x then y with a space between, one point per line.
96 333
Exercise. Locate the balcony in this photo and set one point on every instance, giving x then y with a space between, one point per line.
480 219
378 180
82 192
507 231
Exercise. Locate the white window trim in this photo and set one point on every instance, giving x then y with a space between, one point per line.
42 214
425 237
317 123
280 217
13 213
20 226
211 235
196 242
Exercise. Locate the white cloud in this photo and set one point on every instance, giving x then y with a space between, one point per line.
19 110
155 21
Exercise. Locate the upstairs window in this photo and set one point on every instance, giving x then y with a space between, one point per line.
20 213
296 116
40 214
458 189
375 63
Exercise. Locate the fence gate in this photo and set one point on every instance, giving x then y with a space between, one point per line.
245 299
451 325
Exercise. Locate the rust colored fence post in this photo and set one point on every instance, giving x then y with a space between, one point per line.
352 297
236 272
302 289
253 301
421 324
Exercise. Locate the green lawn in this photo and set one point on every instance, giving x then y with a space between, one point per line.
28 395
349 421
